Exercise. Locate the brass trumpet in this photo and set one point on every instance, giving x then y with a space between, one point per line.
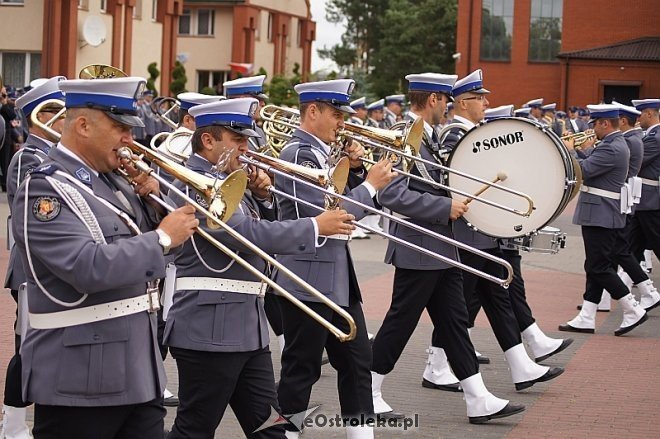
580 138
174 105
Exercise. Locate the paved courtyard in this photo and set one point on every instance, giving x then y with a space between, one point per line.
611 387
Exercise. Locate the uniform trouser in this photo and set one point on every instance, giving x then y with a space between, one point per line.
273 313
624 256
645 230
516 290
440 292
493 298
305 340
13 380
209 381
137 421
600 264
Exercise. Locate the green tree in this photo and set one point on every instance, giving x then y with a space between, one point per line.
179 79
209 91
154 73
417 36
281 92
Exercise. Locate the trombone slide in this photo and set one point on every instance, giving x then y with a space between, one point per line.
342 336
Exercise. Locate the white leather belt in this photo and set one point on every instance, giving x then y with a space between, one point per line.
95 313
218 284
338 236
600 192
649 182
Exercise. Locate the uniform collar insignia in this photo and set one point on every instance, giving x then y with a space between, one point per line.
84 175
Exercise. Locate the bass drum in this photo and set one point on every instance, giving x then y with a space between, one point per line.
535 161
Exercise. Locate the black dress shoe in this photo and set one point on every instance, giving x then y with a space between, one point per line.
172 401
508 410
391 415
564 344
568 328
579 307
655 305
482 359
554 372
448 387
627 329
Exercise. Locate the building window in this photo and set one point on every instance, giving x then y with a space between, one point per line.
19 68
211 79
269 32
255 25
197 22
103 5
12 2
496 30
154 9
83 4
205 21
545 30
184 22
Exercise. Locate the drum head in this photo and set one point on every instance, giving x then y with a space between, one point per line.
533 161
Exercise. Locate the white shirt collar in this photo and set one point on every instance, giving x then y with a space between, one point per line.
428 128
46 141
74 156
463 120
325 147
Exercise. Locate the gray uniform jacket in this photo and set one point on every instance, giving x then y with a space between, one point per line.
330 269
605 168
579 127
372 123
33 153
633 138
150 120
140 132
463 232
424 205
389 119
650 169
257 143
105 363
222 321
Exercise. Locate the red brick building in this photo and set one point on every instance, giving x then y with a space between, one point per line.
573 52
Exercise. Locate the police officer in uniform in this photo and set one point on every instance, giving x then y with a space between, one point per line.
522 112
217 326
647 212
421 282
90 357
601 215
375 113
252 86
575 124
330 269
630 272
536 111
392 111
360 108
470 105
30 156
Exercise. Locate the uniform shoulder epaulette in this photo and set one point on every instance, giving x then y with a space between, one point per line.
44 170
653 132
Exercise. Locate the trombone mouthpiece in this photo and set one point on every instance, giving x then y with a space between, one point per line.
124 153
502 176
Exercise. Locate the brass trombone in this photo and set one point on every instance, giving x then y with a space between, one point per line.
332 183
288 170
174 105
399 146
235 192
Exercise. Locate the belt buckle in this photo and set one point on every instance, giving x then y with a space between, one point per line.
154 305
